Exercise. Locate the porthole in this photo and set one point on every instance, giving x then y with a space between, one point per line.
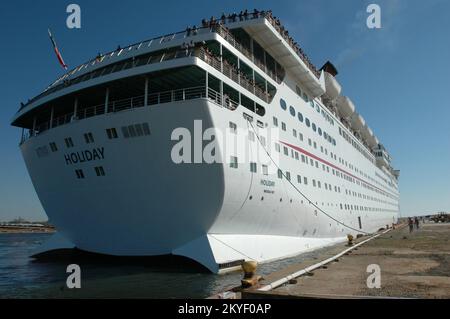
314 127
283 104
308 124
300 117
292 110
319 130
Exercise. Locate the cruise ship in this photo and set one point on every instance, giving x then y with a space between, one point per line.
99 146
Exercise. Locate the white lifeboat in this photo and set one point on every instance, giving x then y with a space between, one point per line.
376 141
332 86
346 106
367 134
358 122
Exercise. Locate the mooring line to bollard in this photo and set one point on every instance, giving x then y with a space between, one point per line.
306 270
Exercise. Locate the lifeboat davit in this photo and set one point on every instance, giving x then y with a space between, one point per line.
346 106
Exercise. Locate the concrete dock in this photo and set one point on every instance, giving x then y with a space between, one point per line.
412 265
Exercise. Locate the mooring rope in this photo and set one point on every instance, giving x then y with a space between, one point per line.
300 192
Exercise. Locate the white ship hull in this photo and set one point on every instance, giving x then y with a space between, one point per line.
148 205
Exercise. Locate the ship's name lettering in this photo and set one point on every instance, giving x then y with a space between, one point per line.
95 154
267 183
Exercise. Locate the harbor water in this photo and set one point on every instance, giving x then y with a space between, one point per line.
24 277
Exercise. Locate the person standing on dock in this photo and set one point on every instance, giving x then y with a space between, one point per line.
416 222
410 224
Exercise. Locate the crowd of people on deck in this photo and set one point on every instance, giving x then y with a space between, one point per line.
255 14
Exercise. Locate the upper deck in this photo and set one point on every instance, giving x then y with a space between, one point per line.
256 54
259 25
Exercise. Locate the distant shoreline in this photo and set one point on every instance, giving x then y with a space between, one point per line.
26 230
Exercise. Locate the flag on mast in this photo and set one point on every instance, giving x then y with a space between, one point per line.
58 54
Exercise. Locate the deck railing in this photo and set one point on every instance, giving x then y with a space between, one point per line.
199 92
65 80
232 73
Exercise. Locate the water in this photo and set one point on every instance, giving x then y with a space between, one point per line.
25 277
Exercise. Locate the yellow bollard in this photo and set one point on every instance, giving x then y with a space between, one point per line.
350 240
250 278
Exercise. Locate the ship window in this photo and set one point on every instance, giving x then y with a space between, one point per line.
233 128
305 97
296 156
319 130
234 162
111 133
283 126
305 180
280 174
275 121
99 171
125 132
298 90
42 151
314 183
288 176
294 132
315 145
277 147
89 138
307 122
300 135
146 128
265 170
311 102
253 167
286 151
309 142
79 173
303 158
132 131
283 104
299 179
69 142
139 131
292 110
314 127
300 117
53 147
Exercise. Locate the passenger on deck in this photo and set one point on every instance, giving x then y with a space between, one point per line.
223 18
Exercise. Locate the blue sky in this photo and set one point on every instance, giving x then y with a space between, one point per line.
398 76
